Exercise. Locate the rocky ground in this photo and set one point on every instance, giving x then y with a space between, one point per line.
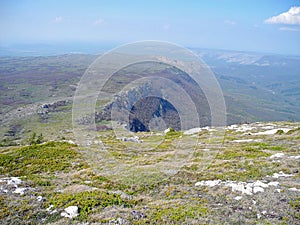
241 174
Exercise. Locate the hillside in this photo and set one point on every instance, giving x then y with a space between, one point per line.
249 173
256 88
136 171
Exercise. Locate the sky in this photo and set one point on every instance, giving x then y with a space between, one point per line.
258 25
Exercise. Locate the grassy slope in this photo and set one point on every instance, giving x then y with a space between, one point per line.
64 175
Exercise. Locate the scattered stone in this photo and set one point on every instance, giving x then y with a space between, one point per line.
258 189
272 131
87 182
39 198
167 130
71 142
238 198
241 128
118 221
210 183
260 184
20 191
70 212
295 157
273 183
193 131
243 187
281 174
49 208
137 215
243 140
294 189
240 187
134 139
277 155
15 181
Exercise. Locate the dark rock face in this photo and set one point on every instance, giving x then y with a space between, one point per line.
145 110
136 125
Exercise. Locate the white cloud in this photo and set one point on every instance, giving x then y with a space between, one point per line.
99 22
230 22
291 17
289 29
57 19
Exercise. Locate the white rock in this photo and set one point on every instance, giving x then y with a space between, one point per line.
70 212
258 189
49 208
87 182
258 216
294 189
243 187
167 130
295 157
278 190
254 202
14 181
71 142
20 191
244 127
53 211
260 184
238 198
210 183
232 127
131 139
278 155
243 140
39 198
281 174
272 131
273 183
240 187
192 131
264 212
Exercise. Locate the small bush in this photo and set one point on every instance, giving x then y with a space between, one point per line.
35 159
279 132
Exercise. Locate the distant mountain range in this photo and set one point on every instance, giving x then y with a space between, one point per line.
257 87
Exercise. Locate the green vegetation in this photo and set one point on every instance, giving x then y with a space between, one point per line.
295 204
172 213
39 158
88 201
139 194
36 140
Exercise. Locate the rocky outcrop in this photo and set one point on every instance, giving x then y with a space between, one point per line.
44 110
141 109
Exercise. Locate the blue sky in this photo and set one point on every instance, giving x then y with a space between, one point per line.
217 24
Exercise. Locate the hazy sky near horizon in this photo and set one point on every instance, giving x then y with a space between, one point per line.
257 25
